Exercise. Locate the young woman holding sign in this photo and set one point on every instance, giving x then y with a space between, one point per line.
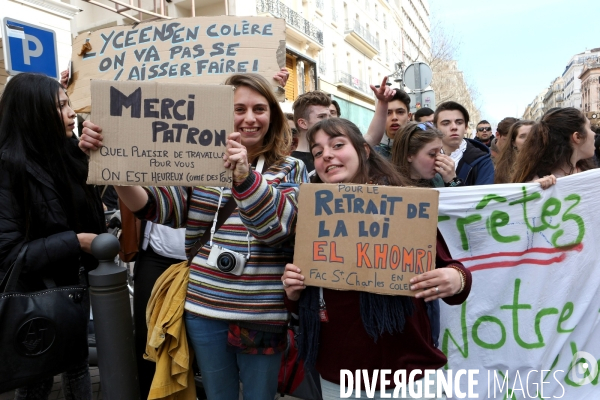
46 203
561 144
357 330
235 318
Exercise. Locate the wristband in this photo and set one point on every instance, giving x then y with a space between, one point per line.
454 182
463 278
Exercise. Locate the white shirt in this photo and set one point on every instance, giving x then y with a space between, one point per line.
165 241
458 153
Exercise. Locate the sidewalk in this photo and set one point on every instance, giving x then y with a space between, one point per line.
57 393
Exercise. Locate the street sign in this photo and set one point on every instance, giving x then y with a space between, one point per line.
427 99
417 76
29 48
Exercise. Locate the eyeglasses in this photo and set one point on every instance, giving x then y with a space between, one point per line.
425 125
484 128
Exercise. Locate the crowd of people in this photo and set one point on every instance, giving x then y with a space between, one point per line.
236 320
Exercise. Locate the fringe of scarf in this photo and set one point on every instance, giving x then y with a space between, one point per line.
379 314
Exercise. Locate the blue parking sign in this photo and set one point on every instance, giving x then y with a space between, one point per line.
29 48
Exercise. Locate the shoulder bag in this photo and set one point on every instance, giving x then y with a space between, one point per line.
42 333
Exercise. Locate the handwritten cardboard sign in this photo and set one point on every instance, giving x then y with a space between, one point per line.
158 134
192 50
365 237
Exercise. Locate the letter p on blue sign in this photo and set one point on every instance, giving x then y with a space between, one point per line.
29 48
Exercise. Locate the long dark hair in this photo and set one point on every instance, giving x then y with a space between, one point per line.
372 168
508 156
379 313
548 145
32 130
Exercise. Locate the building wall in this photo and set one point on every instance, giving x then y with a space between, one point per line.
416 30
555 94
572 89
590 88
360 41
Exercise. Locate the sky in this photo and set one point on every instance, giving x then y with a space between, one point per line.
511 50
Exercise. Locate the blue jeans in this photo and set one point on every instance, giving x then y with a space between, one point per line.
76 385
222 370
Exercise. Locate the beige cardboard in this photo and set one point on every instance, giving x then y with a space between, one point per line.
181 50
170 134
342 226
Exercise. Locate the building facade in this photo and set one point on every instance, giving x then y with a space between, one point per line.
590 88
567 89
338 46
554 96
536 109
572 83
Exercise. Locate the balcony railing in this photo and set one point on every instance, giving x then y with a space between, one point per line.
291 17
363 33
349 80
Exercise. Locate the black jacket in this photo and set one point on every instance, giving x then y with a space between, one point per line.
476 167
54 249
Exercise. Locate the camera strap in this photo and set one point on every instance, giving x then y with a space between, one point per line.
220 218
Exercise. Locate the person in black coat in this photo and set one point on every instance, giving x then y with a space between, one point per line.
45 201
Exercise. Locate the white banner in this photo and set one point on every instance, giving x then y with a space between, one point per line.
531 322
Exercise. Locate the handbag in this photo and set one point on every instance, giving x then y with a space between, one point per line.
295 379
42 333
130 235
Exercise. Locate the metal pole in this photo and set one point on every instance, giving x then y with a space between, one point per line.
113 323
419 89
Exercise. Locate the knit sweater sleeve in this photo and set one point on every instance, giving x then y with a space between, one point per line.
167 205
443 260
269 208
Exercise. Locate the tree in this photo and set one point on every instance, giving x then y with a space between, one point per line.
448 80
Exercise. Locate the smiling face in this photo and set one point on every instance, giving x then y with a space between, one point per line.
66 113
522 133
252 117
452 124
422 164
336 160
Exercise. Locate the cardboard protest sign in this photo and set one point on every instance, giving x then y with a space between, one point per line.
365 237
192 50
158 134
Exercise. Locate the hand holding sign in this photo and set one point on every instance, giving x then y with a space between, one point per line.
91 137
293 282
236 157
437 284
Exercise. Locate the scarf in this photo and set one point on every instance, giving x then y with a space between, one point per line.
379 314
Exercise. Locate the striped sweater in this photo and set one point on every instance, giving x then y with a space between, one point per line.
267 208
